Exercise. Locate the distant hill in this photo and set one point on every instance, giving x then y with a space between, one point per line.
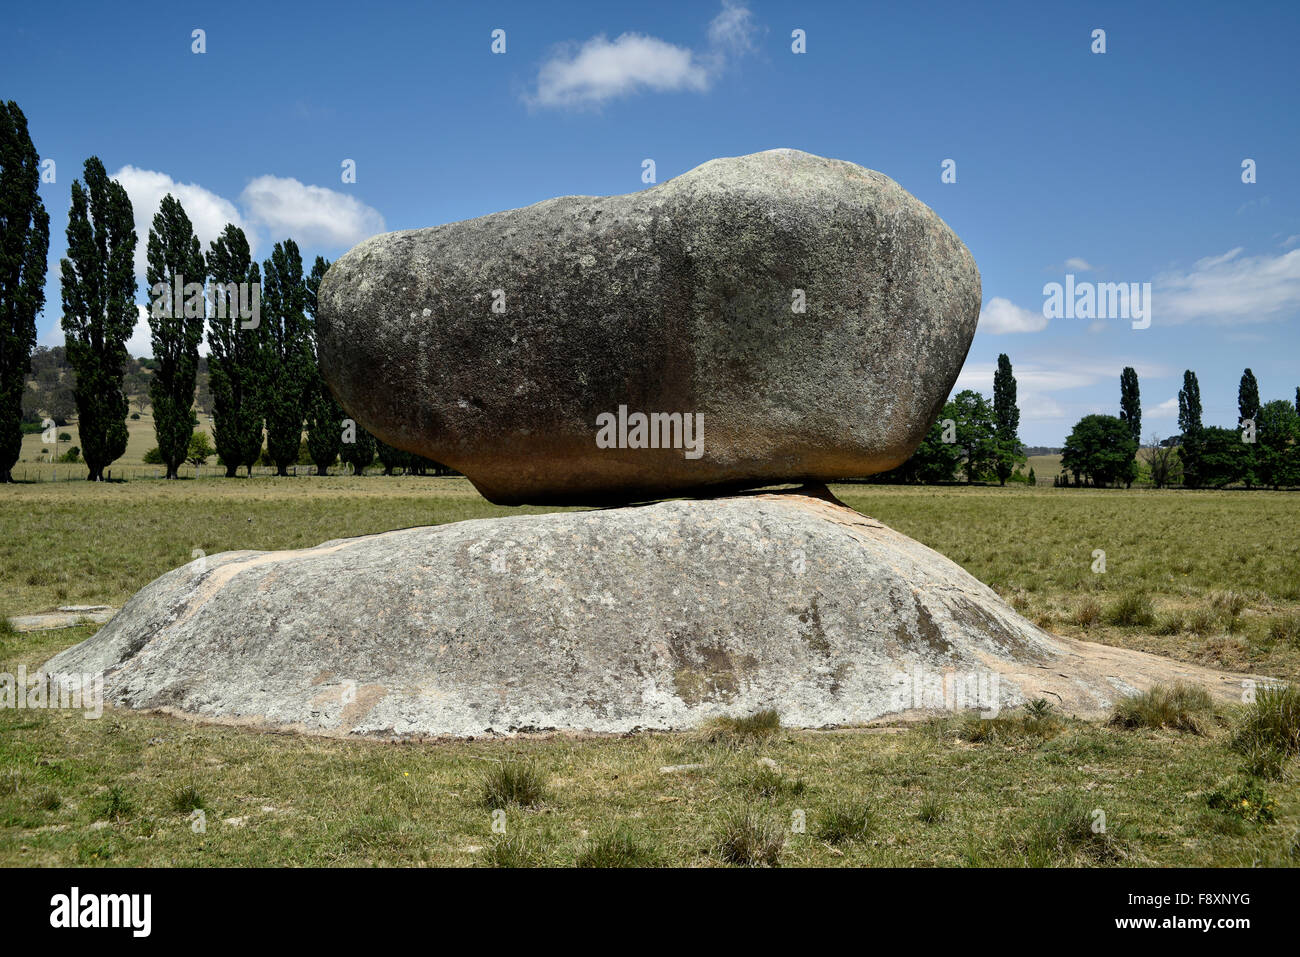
1041 450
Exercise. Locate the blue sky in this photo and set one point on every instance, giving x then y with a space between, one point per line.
1123 166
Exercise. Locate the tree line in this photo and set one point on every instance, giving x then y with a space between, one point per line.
1262 451
263 372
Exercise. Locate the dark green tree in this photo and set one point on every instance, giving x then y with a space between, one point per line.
977 434
1006 415
287 345
360 451
934 459
235 360
176 319
99 311
1220 457
324 415
1191 444
1130 405
1277 452
24 243
392 458
1101 449
1247 410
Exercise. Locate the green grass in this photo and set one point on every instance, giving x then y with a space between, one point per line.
1016 790
1180 708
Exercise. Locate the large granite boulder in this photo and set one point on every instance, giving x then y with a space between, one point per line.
496 345
659 616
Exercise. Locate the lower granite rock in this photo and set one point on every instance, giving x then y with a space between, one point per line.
650 617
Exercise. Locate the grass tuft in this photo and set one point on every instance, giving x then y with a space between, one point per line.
1268 732
512 782
1181 708
618 848
845 821
750 838
738 730
1132 609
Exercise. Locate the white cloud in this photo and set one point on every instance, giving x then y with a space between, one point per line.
603 69
139 344
1291 241
1209 262
207 211
311 215
732 30
1036 380
1167 409
1002 316
1078 265
1229 289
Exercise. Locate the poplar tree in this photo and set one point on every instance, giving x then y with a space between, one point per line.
324 415
99 311
1006 415
289 359
1130 413
1130 403
1247 409
24 243
175 262
1191 449
235 361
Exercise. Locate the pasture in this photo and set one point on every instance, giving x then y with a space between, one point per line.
1210 577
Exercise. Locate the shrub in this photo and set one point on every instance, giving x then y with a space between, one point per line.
1182 708
1170 625
750 838
1132 609
1202 622
1088 613
1245 799
844 821
1285 630
513 782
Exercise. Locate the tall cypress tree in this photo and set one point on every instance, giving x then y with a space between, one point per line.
324 416
24 243
1130 413
1189 423
235 356
1006 415
99 311
1130 402
287 345
176 328
1247 408
360 452
1248 396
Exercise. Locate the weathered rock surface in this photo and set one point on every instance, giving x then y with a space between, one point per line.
676 299
658 616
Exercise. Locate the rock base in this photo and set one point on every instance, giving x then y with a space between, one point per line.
652 617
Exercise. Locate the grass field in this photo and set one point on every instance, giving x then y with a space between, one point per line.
1212 577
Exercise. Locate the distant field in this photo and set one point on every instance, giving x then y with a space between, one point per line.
1046 467
1221 570
34 459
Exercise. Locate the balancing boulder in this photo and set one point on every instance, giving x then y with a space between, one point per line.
806 318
